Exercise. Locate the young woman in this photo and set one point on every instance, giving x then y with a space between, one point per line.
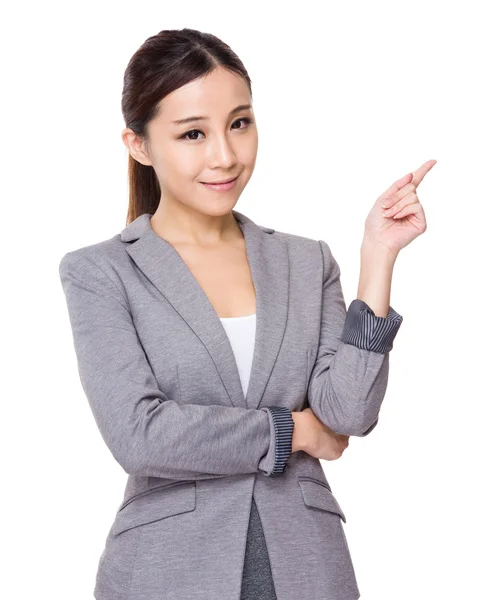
218 356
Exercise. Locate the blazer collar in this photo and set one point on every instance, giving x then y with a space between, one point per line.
268 258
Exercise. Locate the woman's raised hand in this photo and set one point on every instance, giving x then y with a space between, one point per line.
397 216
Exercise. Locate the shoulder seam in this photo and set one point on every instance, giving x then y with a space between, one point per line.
125 304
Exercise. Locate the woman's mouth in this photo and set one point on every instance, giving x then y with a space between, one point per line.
221 187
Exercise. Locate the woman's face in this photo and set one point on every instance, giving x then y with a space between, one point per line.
220 145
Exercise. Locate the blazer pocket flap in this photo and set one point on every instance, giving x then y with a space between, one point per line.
318 495
155 504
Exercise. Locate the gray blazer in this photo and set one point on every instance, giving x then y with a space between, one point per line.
162 382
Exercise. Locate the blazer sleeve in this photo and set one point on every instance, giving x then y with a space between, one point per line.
350 375
147 433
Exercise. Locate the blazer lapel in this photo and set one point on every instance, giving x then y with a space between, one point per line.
267 256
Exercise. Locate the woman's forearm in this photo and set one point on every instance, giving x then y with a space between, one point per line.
375 277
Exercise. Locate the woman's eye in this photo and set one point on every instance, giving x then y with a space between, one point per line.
196 131
183 137
246 120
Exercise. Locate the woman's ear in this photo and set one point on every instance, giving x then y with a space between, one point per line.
136 146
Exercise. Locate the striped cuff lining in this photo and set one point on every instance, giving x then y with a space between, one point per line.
363 329
284 428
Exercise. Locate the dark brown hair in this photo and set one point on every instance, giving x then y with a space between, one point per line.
164 63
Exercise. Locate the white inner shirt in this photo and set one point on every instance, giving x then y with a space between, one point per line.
241 334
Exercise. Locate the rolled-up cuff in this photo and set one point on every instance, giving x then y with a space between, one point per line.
363 329
280 446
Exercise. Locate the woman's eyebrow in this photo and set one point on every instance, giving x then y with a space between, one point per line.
191 119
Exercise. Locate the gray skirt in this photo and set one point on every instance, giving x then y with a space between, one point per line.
257 582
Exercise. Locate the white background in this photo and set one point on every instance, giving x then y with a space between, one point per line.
348 98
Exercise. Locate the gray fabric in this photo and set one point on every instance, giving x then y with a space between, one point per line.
257 582
162 382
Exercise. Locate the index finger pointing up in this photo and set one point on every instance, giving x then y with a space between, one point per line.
420 173
415 177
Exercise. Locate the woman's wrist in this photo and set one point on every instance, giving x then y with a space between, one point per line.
299 441
375 278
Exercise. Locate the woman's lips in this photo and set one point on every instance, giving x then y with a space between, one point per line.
221 187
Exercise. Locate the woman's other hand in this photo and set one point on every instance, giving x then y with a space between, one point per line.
315 438
397 216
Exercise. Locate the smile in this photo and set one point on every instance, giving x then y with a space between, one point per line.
221 187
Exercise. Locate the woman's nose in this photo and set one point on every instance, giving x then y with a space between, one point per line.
220 153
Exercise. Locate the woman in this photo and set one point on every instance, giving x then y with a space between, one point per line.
218 356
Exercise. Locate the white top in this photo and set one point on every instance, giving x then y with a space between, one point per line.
241 334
